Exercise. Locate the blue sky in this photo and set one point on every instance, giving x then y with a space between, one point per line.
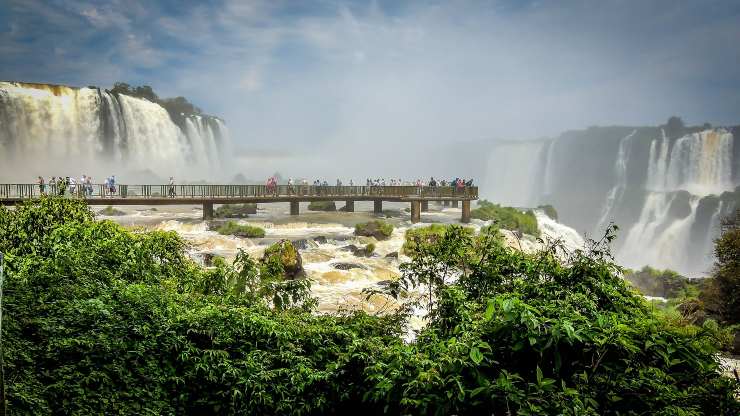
343 75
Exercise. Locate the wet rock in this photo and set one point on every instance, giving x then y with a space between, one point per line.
380 230
208 259
304 244
286 253
359 251
320 239
348 266
393 255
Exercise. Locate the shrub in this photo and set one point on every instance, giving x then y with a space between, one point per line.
328 206
235 210
381 230
111 212
240 230
100 320
430 234
506 217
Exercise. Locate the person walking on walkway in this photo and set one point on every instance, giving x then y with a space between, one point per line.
171 192
42 186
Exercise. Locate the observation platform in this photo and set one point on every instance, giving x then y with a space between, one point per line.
209 195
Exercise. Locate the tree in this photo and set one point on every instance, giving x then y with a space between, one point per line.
675 127
722 295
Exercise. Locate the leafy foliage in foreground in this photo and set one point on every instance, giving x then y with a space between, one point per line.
507 217
99 320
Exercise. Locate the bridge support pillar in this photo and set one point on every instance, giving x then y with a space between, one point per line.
294 208
465 211
378 206
445 203
207 211
424 206
454 204
349 206
415 211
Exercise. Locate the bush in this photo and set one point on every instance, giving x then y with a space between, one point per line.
381 230
240 230
111 212
722 294
369 249
328 206
235 210
99 320
507 217
663 283
430 234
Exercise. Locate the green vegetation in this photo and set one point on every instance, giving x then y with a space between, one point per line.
506 217
663 283
550 211
369 249
722 296
381 230
240 230
178 108
99 320
282 258
416 237
235 210
111 212
328 206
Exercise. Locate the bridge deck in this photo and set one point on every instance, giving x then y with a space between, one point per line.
208 195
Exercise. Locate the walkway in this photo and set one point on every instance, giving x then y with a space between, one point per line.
209 195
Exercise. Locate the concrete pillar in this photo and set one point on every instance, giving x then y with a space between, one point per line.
465 211
445 203
207 210
349 206
415 211
424 206
454 204
378 206
294 207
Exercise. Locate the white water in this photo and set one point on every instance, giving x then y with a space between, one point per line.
549 175
552 230
513 173
700 163
620 173
50 130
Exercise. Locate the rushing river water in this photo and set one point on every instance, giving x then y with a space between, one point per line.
335 289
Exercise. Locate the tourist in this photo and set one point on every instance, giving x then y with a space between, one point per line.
171 192
62 185
42 186
113 185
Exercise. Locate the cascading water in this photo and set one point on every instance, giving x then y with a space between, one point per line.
700 163
513 173
50 129
620 173
697 164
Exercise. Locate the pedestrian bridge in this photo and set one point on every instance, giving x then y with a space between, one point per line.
209 195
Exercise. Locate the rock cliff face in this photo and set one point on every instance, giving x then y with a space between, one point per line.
70 130
667 187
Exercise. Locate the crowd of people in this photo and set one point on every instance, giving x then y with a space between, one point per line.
68 185
322 187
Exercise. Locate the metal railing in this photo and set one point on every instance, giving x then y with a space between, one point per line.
29 191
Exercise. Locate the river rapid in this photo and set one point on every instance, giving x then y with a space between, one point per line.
322 239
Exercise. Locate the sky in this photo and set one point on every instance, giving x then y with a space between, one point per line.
351 84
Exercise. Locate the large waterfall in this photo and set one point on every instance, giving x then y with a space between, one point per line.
667 191
52 130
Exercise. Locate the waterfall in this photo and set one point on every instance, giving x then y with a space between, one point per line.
700 163
552 230
658 239
620 174
52 130
513 173
549 174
